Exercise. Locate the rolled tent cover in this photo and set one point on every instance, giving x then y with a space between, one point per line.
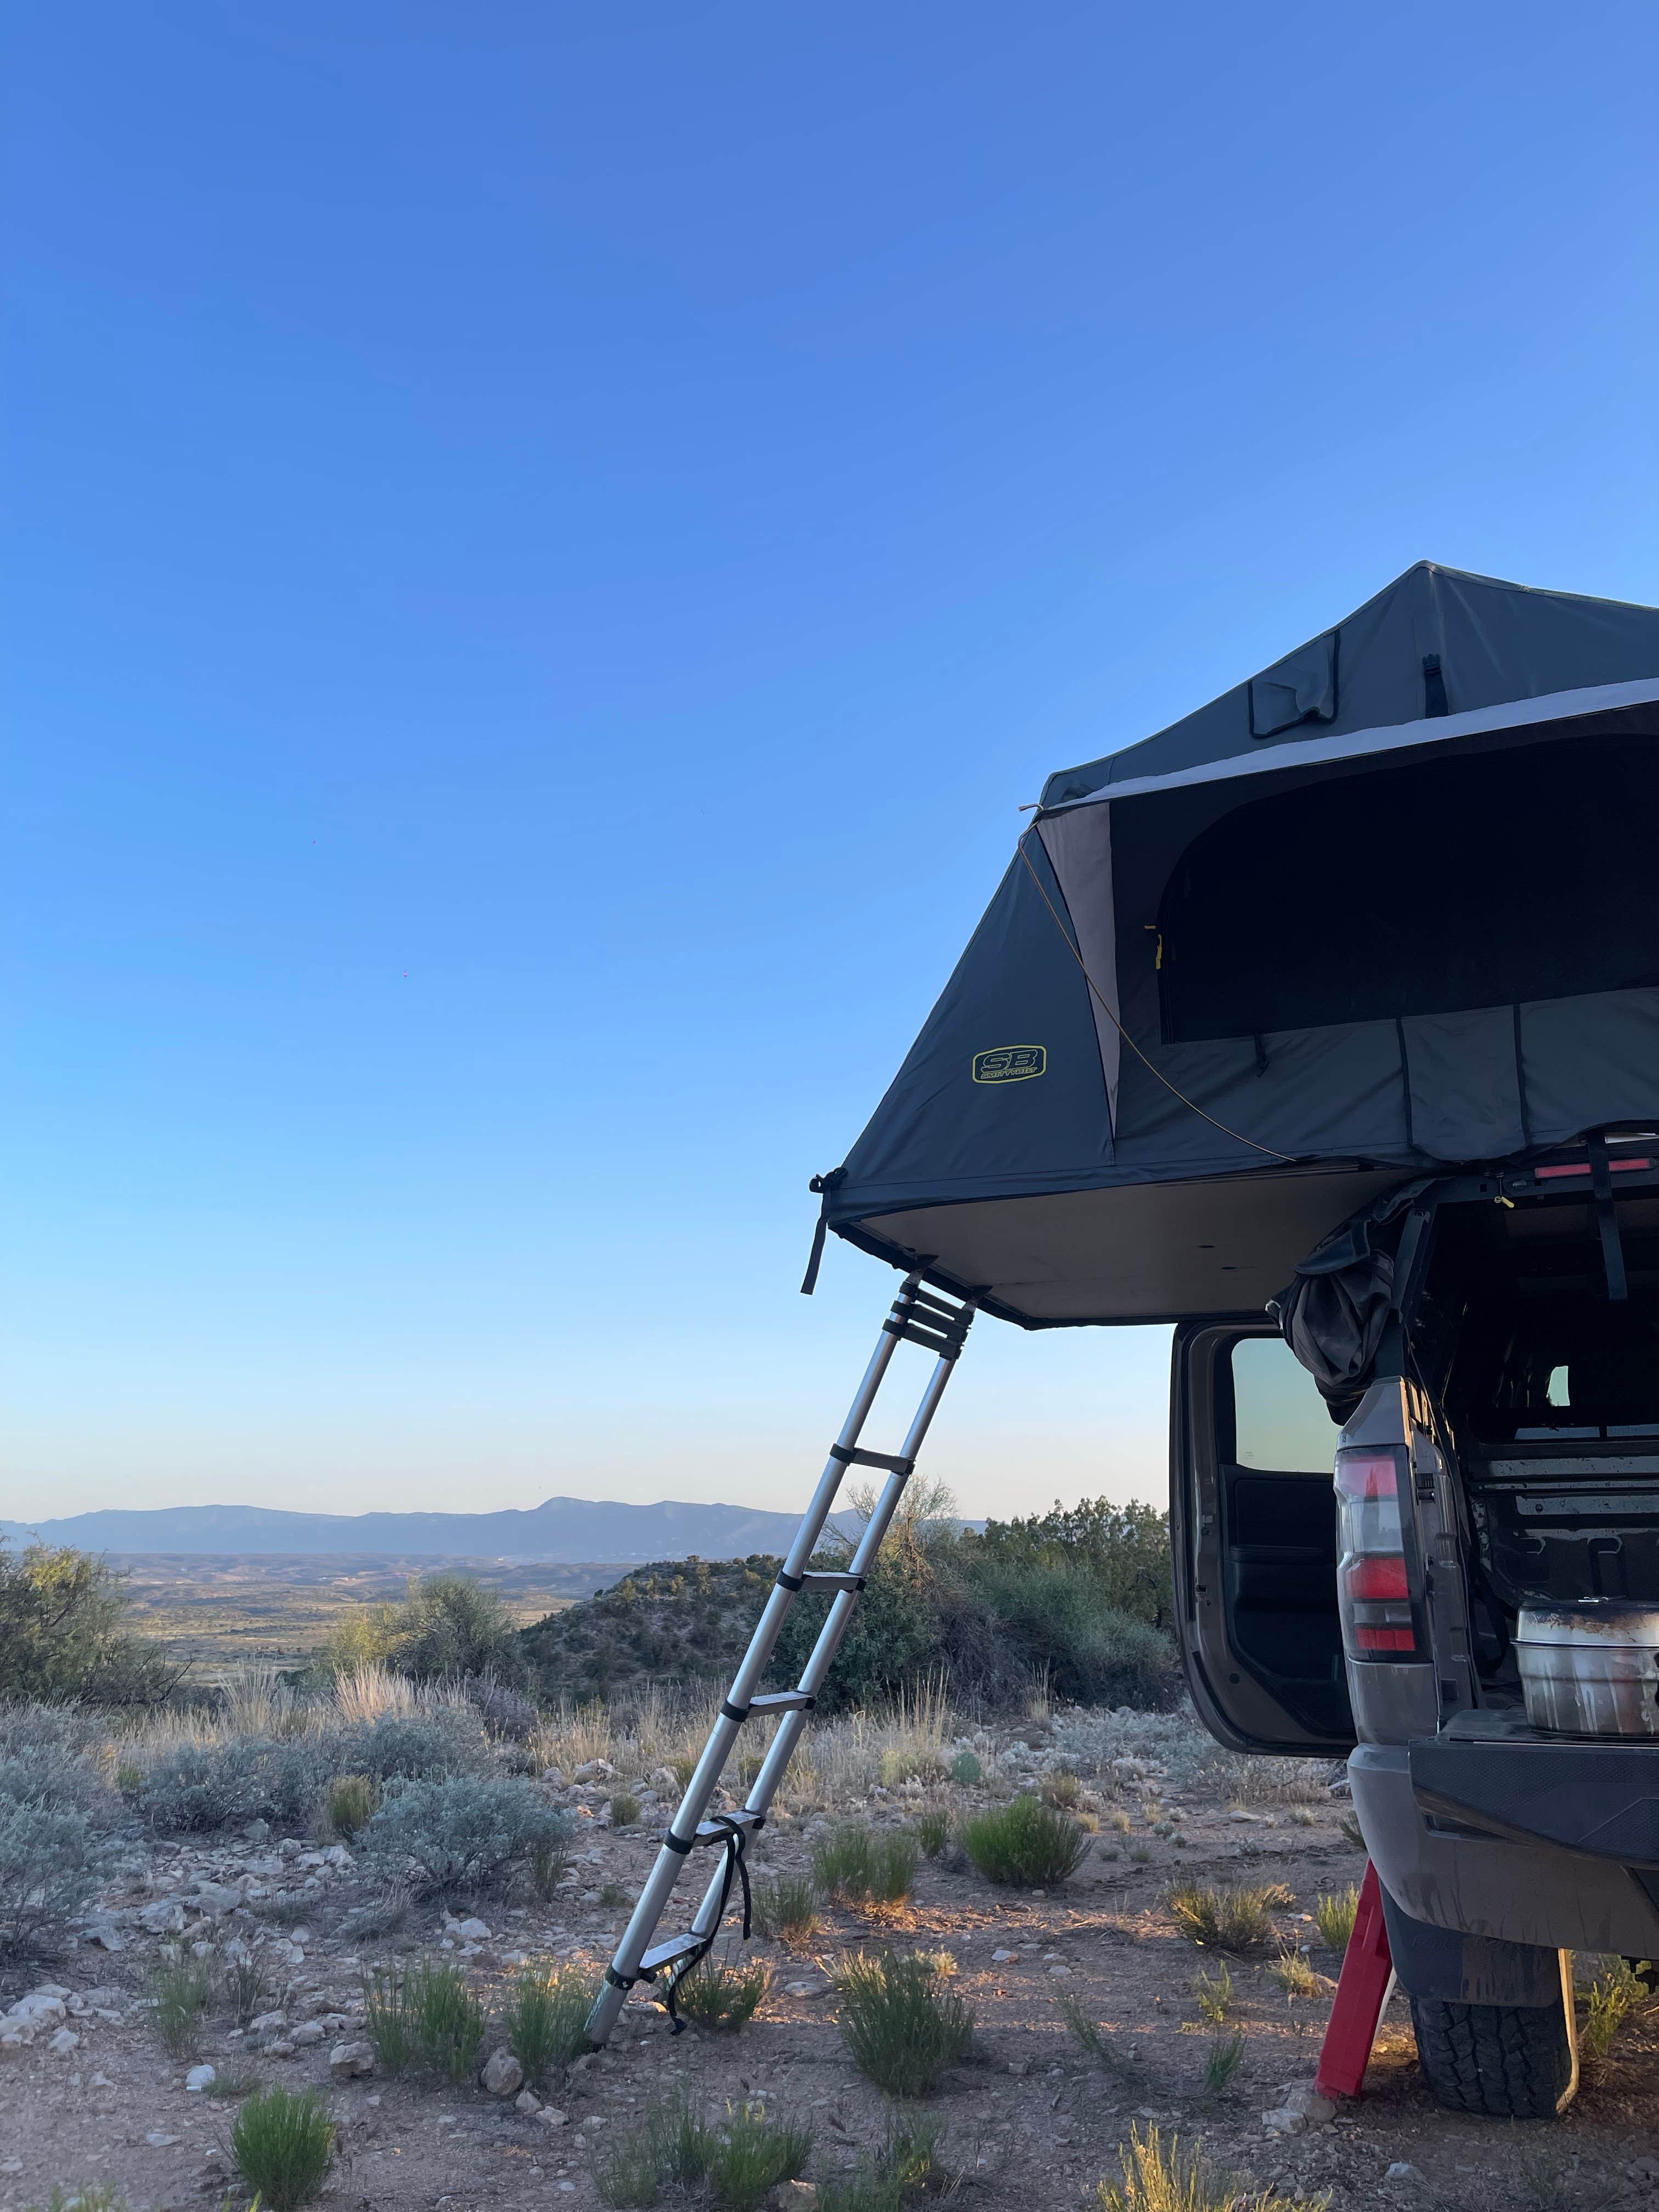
1386 908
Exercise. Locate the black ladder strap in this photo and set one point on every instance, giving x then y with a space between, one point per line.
889 1463
1606 1220
735 1841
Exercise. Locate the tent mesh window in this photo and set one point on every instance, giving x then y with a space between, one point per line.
1428 889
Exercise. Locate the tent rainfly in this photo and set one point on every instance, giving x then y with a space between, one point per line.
1386 907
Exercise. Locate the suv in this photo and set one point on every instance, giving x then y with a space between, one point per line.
1473 1616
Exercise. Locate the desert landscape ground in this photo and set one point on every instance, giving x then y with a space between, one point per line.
1096 2016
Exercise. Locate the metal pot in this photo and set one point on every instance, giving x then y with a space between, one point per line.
1592 1668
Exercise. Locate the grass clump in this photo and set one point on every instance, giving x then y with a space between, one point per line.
1096 2040
752 2154
430 2020
1295 1976
1221 2063
1228 1919
901 2029
544 2019
1334 1916
1212 1992
933 1830
1611 1998
624 1809
243 1987
1157 2180
786 1906
1027 1844
716 1995
182 1988
861 1868
352 1802
283 2144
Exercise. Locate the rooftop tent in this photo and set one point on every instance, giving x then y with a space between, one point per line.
1387 905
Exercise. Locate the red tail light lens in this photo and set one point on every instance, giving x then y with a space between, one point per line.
1384 1639
1366 1474
1377 1579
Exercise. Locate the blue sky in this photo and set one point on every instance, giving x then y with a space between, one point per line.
544 548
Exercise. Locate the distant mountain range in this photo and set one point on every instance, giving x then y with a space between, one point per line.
563 1530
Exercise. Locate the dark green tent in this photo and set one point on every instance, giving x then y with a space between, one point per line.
1389 905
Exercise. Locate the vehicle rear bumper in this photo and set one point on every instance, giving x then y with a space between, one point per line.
1449 1861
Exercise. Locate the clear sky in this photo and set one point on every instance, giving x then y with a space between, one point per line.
544 548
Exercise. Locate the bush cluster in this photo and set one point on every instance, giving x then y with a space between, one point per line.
463 1835
55 1814
62 1636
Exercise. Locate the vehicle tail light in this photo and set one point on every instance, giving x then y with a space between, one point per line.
1373 1581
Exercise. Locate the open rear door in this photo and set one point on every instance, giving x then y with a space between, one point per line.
1253 1520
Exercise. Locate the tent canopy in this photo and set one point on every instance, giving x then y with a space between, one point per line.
1386 907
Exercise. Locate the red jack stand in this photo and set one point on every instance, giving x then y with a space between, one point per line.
1361 1993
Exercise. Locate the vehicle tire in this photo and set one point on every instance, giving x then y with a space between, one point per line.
1511 2062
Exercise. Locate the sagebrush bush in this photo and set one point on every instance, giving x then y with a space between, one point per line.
283 2144
901 2029
544 2019
429 2020
1026 1843
1228 1919
719 1995
200 1787
464 1834
502 1707
426 1746
52 1862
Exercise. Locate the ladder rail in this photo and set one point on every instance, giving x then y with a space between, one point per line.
705 1780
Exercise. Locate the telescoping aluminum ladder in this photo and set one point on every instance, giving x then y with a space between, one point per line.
919 1317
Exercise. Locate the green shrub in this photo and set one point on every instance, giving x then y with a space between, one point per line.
752 2154
352 1799
181 1986
1026 1843
624 1809
902 2031
722 1995
1609 2002
431 2020
52 1858
1052 1612
426 1746
62 1636
933 1830
1123 1550
549 1862
283 2144
197 1788
1335 1916
544 2019
966 1770
1213 1993
628 2169
859 1867
1228 1919
1061 1790
787 1906
464 1834
449 1627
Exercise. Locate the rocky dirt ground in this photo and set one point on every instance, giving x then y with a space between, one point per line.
87 2094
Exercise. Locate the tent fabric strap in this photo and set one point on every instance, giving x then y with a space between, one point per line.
1289 1158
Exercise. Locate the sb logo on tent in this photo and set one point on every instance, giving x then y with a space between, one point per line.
1011 1063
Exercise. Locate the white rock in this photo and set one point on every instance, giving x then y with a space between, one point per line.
473 1932
551 2116
165 1917
1005 1957
38 2007
1403 2175
1281 2121
215 1899
268 2023
527 2102
596 1770
347 2060
309 2031
1306 2100
502 2075
200 2078
63 2042
159 2139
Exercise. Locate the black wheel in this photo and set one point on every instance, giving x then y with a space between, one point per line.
1513 2062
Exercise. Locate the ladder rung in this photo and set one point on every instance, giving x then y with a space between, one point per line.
811 1581
783 1701
716 1831
664 1955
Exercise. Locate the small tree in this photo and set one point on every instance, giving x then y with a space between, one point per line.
63 1635
450 1627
